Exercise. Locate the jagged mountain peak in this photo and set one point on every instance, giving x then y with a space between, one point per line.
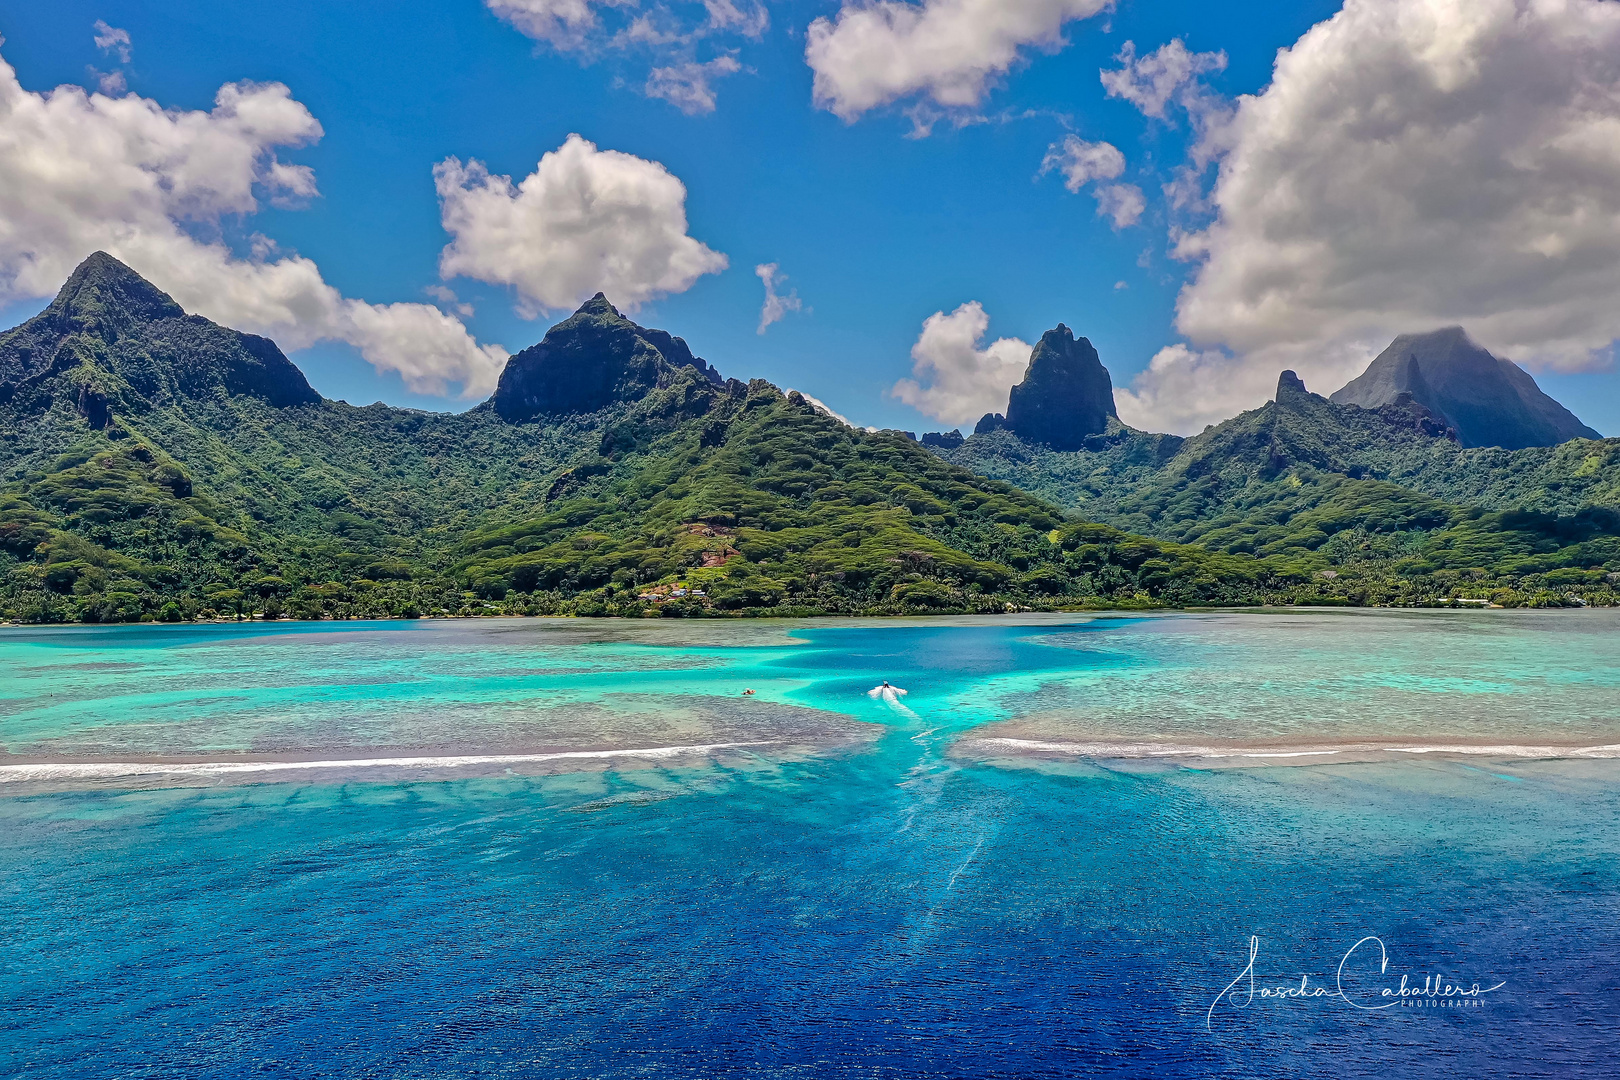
126 344
103 293
599 305
1404 413
1489 401
1449 337
1066 394
1288 383
590 360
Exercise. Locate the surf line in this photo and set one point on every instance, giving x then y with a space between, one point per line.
90 770
1160 750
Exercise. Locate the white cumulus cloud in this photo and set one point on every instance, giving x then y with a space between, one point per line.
81 172
1082 163
668 34
1151 82
1173 75
1183 390
1414 164
110 39
565 24
776 305
947 52
585 221
954 379
1122 204
689 86
749 20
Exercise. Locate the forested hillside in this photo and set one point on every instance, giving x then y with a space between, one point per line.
157 466
154 465
1386 495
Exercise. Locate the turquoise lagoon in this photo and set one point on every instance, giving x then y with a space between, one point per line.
568 848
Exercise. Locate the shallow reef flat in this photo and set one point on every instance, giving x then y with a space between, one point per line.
1307 688
211 705
574 848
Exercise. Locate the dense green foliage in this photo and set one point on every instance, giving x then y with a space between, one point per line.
1373 505
766 501
757 499
155 466
168 497
1156 483
308 494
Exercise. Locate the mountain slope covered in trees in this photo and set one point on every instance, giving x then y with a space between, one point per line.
1303 483
154 465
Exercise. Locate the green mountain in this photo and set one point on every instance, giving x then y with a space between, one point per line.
118 340
1368 499
156 465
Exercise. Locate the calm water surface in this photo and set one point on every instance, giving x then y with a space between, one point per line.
539 848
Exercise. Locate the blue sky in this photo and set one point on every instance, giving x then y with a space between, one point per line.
876 231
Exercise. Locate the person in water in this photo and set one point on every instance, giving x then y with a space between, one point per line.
748 693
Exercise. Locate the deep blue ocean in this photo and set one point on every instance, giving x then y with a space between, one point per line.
823 882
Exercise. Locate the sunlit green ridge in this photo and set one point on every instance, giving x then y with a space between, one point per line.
170 498
154 465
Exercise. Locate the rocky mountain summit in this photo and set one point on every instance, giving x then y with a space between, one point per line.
123 343
590 360
1488 401
155 465
1066 395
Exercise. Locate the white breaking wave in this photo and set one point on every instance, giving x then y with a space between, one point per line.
93 770
1151 750
1612 751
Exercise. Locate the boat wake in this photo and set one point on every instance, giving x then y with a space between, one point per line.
890 696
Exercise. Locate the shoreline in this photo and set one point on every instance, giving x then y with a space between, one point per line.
941 618
765 615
